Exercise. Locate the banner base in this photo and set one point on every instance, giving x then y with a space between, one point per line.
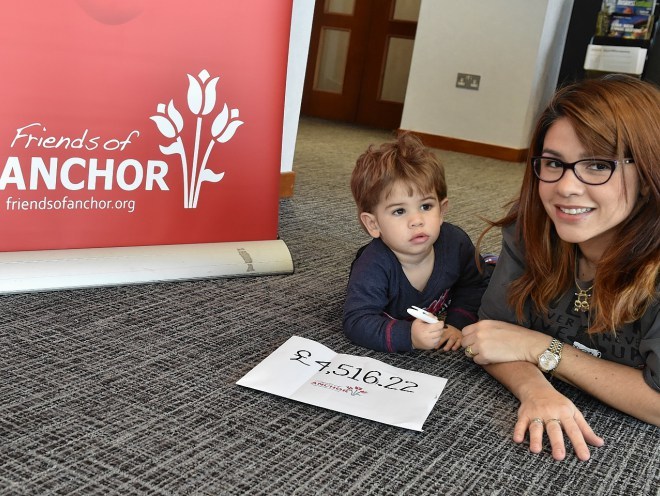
92 267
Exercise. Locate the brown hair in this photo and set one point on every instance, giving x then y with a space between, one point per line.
615 116
405 159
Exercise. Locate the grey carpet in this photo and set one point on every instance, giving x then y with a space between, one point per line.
131 390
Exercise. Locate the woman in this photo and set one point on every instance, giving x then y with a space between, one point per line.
575 294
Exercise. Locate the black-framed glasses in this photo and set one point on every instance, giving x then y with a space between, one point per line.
592 171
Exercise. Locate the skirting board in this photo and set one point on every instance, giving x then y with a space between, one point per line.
287 182
92 267
472 147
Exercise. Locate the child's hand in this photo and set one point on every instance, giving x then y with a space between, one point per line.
428 336
451 337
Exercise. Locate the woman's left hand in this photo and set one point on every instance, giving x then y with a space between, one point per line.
492 341
546 410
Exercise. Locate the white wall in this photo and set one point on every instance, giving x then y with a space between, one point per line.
301 27
514 45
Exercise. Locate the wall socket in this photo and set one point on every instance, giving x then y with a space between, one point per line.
468 81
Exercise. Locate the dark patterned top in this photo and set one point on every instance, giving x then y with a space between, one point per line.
379 293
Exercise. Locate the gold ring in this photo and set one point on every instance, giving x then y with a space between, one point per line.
537 420
552 420
469 352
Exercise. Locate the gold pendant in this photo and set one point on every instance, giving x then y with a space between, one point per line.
581 303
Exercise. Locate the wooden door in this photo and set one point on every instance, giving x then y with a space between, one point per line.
359 59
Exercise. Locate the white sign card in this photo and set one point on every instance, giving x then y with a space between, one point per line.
306 371
629 60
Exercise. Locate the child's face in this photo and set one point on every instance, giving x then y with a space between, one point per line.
407 224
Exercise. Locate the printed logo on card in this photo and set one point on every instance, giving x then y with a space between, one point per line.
352 390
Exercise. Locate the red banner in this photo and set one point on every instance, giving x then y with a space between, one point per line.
140 122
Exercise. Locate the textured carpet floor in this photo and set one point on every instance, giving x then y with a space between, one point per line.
131 390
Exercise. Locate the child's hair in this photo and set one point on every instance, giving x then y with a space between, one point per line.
614 117
405 159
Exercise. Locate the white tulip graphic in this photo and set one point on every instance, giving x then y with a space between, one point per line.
201 93
170 124
222 130
169 121
201 99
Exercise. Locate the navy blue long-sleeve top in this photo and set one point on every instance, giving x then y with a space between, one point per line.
379 293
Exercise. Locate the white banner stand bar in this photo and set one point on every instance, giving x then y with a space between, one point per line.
48 270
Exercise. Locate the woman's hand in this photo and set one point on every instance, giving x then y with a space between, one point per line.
492 341
547 410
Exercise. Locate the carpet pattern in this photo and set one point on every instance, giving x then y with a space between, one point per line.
131 389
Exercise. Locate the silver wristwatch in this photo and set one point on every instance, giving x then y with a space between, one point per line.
549 359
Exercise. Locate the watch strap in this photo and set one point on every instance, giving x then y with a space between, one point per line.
555 348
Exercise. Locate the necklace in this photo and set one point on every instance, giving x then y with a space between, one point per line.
581 303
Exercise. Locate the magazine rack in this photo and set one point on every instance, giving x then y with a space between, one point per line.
625 31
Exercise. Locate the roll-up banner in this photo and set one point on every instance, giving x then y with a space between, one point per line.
127 123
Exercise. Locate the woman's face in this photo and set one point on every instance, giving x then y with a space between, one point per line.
582 213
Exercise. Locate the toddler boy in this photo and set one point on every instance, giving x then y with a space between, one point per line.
414 258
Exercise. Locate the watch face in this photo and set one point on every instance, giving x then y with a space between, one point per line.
548 361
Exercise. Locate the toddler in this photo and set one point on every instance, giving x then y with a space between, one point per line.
414 258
